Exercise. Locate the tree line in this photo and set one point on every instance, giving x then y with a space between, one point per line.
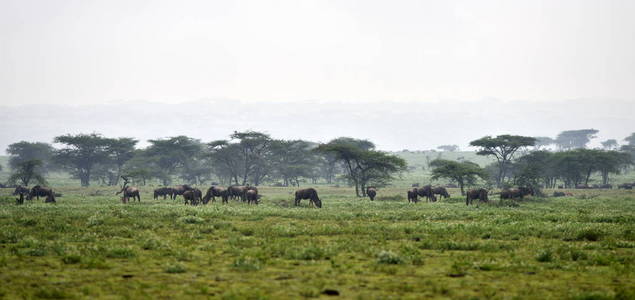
244 157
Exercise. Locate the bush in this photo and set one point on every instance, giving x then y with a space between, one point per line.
175 268
389 258
544 256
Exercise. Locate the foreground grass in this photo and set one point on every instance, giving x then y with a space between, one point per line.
90 246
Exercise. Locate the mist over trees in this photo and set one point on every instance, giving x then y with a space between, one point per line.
255 158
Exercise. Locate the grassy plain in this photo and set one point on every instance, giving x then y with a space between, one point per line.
89 245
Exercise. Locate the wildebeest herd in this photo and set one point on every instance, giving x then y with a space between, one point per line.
250 195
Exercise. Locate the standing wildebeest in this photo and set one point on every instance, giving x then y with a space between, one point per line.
252 196
193 196
21 190
237 191
310 194
412 196
480 194
425 191
129 192
626 186
164 191
440 191
213 192
371 191
38 191
520 192
179 190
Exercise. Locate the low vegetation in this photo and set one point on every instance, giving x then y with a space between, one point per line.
90 245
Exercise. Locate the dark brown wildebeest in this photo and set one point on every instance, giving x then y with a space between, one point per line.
413 195
194 196
129 192
164 191
480 194
237 191
213 192
439 190
582 186
38 191
425 191
520 192
626 186
21 190
252 196
371 192
179 190
310 194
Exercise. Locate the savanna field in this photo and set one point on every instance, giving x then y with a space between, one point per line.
89 245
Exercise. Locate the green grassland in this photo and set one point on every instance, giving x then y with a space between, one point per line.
89 245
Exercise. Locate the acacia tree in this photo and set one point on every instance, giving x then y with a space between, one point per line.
575 139
26 171
630 139
362 163
173 154
120 150
464 173
291 160
503 148
25 151
610 144
81 154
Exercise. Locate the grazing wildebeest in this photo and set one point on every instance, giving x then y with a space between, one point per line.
38 191
252 196
626 186
21 190
194 196
130 192
425 191
213 192
164 191
310 194
439 190
237 191
520 192
582 186
412 196
179 190
371 191
480 194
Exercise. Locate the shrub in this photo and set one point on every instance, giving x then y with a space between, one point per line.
175 268
389 258
544 256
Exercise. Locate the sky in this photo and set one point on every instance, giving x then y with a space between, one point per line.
407 74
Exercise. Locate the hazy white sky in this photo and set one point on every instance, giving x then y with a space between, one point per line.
83 51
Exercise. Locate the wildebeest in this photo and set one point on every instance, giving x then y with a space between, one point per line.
130 192
520 192
21 190
412 196
237 191
558 194
626 186
439 190
480 194
425 191
179 190
213 192
38 191
252 196
371 191
193 196
309 193
164 191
